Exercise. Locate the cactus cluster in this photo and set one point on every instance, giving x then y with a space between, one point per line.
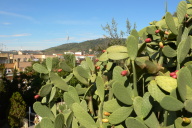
129 86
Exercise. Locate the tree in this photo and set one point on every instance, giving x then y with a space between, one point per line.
17 110
116 37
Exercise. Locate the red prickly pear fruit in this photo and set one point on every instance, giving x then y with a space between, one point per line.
105 120
96 60
97 67
103 51
186 120
172 73
59 70
124 72
36 96
157 31
174 76
161 44
106 113
148 40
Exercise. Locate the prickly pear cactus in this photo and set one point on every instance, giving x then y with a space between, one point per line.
145 83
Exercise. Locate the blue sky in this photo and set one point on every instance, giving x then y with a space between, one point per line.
41 24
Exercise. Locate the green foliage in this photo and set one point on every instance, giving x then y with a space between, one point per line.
17 110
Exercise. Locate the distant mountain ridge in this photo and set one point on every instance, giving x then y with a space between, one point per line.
76 47
88 46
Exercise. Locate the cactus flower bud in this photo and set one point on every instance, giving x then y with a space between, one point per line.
106 113
161 44
105 120
166 33
186 120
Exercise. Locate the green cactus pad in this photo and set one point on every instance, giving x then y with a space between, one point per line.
111 105
152 121
73 93
169 52
117 75
185 34
59 121
65 67
52 95
45 90
80 90
117 49
68 100
49 63
83 117
188 105
38 125
82 72
181 11
183 80
120 115
142 106
171 104
80 78
183 49
189 93
100 87
151 29
86 67
166 83
46 123
117 56
58 81
155 92
75 123
69 120
90 64
69 77
43 110
171 23
151 67
135 34
54 109
39 68
84 104
109 65
121 93
103 57
132 47
131 122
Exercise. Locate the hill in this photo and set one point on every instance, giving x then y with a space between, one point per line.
75 47
95 45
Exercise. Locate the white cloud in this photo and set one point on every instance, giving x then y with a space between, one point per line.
17 15
16 35
6 23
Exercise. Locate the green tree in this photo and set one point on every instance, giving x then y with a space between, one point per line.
116 37
17 110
